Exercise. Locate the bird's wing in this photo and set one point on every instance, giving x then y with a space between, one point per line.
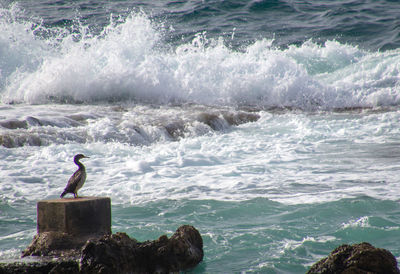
73 181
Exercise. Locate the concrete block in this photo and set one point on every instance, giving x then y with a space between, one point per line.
78 217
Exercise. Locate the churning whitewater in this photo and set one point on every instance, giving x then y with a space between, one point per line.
129 60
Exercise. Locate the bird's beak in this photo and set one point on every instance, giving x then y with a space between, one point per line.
86 157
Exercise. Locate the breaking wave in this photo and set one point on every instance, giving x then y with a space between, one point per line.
130 60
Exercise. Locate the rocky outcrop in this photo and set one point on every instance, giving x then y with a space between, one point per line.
54 243
40 266
357 258
116 253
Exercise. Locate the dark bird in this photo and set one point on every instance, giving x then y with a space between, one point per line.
77 179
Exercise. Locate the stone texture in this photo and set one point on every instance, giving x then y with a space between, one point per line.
80 216
64 225
74 236
116 253
51 266
360 258
54 243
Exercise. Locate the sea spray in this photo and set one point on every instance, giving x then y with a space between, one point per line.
128 60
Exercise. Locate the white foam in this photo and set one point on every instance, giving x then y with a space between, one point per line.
361 222
294 244
289 158
129 60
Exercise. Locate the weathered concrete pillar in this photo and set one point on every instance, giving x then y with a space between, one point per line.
64 225
77 217
74 236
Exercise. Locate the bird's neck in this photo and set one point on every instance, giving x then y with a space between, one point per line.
79 164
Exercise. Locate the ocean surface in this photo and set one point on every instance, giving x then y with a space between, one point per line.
273 126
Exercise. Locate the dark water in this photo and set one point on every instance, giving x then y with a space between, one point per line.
372 25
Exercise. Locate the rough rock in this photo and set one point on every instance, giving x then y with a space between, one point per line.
357 258
47 265
116 253
54 243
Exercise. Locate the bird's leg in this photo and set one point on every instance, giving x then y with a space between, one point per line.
75 194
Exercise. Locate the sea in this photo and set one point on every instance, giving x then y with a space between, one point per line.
271 126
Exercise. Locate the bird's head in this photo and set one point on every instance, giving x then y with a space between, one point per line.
79 156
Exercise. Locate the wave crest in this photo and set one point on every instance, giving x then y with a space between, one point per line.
129 60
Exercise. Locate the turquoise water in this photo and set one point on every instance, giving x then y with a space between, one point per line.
270 126
265 236
255 235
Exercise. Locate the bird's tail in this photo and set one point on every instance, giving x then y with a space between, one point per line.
63 194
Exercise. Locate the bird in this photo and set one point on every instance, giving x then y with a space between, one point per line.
77 179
